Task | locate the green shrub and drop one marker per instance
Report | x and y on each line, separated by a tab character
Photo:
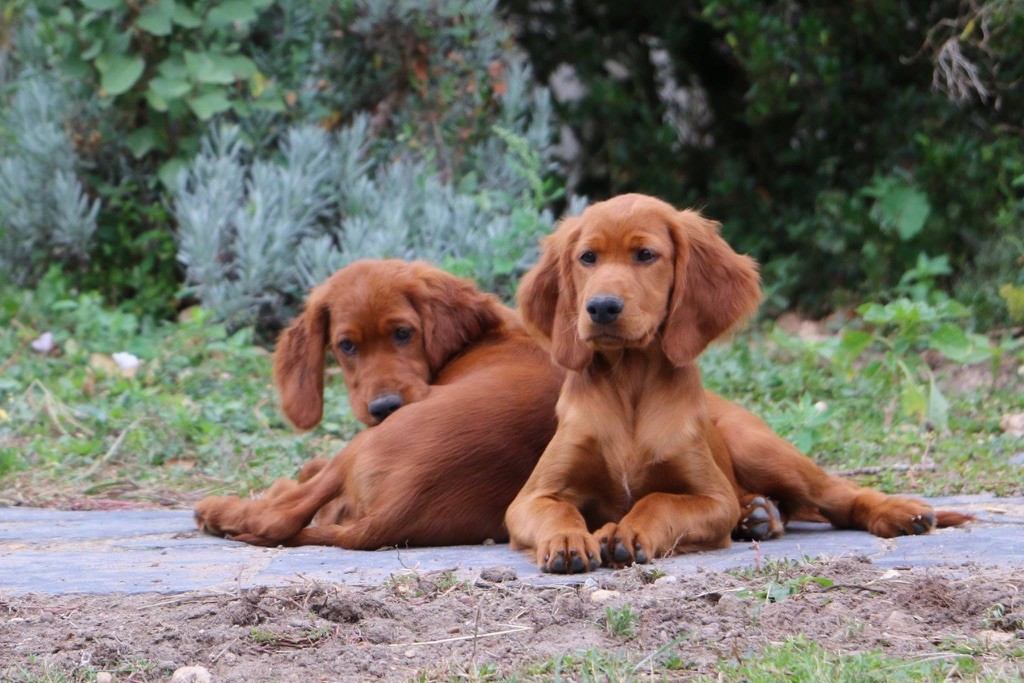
444	106
45	215
836	142
256	234
160	68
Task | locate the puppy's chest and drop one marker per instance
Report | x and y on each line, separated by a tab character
635	449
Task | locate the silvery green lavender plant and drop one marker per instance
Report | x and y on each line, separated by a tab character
256	233
45	214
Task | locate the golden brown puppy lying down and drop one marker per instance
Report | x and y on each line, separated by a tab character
644	463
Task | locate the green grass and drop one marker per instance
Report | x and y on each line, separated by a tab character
620	622
800	660
39	670
852	421
201	415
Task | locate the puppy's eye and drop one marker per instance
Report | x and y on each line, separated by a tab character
402	334
588	258
645	255
347	347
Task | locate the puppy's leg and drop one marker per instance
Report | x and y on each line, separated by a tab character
279	516
759	518
662	523
766	463
544	518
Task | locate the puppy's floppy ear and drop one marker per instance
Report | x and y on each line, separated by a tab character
714	290
454	312
547	298
299	363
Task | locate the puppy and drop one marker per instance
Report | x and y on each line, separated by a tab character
644	463
460	399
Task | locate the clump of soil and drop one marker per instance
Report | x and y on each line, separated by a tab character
435	626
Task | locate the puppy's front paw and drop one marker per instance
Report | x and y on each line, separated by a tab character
621	546
568	553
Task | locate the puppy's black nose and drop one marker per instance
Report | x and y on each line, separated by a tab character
382	406
604	309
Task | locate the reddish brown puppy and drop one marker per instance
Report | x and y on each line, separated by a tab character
643	463
473	401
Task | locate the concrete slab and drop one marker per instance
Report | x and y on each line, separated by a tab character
137	551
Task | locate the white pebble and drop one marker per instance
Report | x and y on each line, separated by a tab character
192	674
602	595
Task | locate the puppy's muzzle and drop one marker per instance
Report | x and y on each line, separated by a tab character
382	406
604	309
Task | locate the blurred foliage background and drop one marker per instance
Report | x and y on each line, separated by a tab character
233	152
175	175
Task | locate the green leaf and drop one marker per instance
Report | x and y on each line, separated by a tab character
938	408
156	18
234	12
210	67
778	592
183	16
155	100
168	172
210	104
875	313
119	73
102	5
170	88
853	344
959	346
241	66
93	50
913	402
902	208
142	140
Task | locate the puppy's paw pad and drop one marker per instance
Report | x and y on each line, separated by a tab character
759	520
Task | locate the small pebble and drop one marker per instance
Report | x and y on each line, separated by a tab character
602	595
104	677
667	579
192	674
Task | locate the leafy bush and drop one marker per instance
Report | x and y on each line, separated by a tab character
430	97
161	68
256	234
813	130
45	215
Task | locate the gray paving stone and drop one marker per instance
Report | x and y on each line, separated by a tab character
136	551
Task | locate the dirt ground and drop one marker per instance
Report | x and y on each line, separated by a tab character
432	627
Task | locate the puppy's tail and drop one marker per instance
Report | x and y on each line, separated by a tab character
947	518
